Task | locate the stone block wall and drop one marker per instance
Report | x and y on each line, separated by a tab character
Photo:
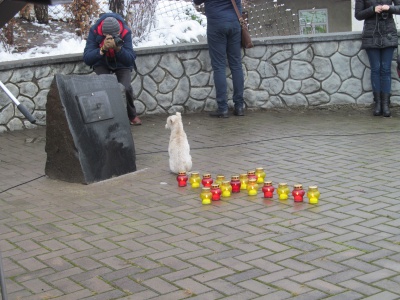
280	73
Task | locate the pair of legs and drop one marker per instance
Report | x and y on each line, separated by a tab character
224	41
380	60
123	77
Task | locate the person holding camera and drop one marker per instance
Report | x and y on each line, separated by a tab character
109	50
379	39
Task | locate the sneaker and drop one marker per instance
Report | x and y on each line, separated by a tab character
136	121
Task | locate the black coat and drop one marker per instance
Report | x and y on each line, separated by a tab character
379	29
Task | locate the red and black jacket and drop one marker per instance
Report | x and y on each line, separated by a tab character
125	58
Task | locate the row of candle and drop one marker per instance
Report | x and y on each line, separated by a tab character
213	191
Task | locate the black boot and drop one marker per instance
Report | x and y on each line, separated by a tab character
385	104
377	102
220	113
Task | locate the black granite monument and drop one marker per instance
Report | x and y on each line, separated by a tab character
88	135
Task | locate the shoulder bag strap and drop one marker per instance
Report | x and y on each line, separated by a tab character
237	12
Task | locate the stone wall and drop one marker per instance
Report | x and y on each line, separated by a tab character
280	73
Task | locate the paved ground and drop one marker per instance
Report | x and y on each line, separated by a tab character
139	236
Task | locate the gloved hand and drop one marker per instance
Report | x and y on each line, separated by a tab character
108	43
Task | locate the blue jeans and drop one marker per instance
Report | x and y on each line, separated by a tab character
224	40
380	61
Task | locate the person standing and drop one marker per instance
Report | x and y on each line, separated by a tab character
379	39
224	41
109	50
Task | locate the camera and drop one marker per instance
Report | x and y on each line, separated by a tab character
118	41
384	15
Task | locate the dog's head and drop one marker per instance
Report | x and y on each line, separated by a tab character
173	120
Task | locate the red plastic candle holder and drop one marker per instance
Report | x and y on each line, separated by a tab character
216	192
268	189
298	193
182	178
207	180
235	183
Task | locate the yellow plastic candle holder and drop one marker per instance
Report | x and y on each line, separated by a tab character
313	194
260	175
283	191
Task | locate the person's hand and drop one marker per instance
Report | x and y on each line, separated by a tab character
108	43
385	7
378	9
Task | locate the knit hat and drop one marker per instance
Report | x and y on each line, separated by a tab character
111	26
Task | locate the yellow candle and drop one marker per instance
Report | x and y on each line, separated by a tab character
195	184
283	191
243	181
206	201
260	175
283	196
252	192
252	187
226	194
226	189
313	194
195	180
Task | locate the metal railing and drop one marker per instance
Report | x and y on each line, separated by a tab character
266	19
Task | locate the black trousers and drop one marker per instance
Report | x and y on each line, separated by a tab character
123	77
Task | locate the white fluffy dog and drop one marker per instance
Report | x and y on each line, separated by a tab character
178	149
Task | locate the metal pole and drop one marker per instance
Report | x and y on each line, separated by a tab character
2	281
20	106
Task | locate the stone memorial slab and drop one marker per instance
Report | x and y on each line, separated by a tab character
88	136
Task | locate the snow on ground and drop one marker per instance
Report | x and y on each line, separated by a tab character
173	24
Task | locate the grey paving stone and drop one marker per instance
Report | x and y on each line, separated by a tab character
225	287
139	236
214	274
159	285
66	285
192	286
383	295
360	287
346	296
376	276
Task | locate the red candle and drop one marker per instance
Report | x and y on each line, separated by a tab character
216	192
268	189
207	180
298	193
235	183
182	178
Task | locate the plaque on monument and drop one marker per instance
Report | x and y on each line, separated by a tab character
88	135
95	107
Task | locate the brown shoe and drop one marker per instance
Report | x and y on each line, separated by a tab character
136	121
